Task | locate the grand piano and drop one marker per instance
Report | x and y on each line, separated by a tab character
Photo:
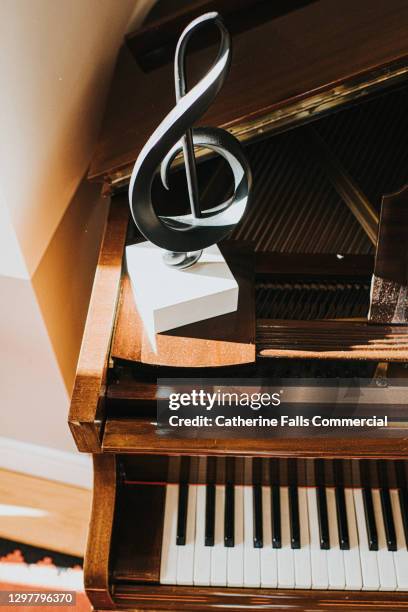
317	94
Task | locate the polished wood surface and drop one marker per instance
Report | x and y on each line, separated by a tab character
97	557
225	340
133	393
252	600
282	71
312	265
140	436
389	295
138	533
305	339
331	340
276	339
311	223
86	412
154	43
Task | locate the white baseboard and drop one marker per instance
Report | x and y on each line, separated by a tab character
45	462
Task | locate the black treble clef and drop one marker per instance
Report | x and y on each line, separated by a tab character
185	236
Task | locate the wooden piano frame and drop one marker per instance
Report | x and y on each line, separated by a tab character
110	413
323	340
146	595
97	430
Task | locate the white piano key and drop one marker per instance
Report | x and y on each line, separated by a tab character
202	553
301	556
168	564
368	558
252	556
185	554
385	558
269	565
352	564
235	555
401	554
286	565
219	551
318	557
335	563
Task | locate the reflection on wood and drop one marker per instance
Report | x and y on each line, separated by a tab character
350	48
87	404
331	340
389	288
225	340
140	436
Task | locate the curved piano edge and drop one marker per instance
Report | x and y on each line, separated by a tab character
97	557
86	414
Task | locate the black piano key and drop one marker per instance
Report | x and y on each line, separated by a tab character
209	515
323	518
294	517
342	524
276	517
403	500
370	519
182	514
257	503
229	514
388	519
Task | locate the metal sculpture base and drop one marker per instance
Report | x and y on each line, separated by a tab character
181	261
167	297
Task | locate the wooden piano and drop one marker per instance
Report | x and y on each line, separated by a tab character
318	94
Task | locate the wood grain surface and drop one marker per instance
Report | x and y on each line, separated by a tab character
220	341
86	412
295	66
331	340
97	558
140	436
138	533
199	599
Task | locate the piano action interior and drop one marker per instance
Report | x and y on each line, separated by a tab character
318	95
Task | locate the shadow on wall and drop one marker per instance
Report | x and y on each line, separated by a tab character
63	280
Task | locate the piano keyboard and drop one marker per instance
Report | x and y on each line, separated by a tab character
285	537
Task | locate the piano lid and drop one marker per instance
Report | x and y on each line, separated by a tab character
285	71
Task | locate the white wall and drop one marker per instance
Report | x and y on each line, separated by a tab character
11	258
56	61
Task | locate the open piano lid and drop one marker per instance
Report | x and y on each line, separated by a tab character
284	71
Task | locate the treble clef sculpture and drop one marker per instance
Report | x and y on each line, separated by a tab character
185	236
